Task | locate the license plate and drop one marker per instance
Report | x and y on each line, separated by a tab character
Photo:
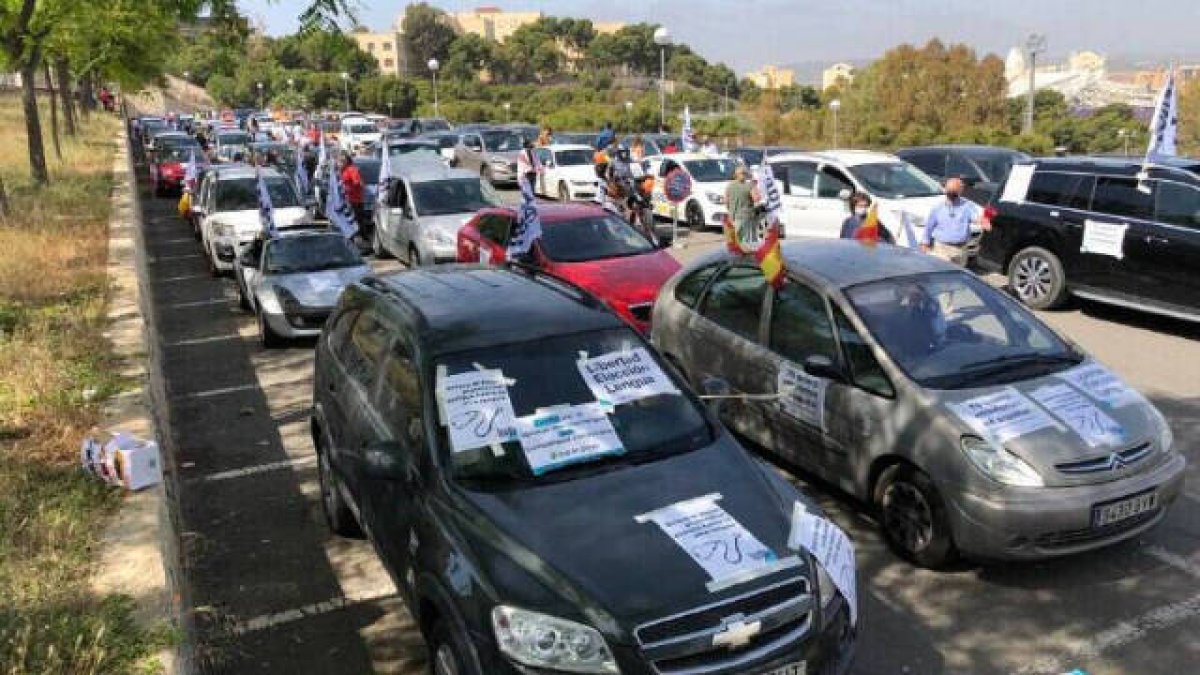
1124	509
800	668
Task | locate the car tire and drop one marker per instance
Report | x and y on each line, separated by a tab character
377	247
913	517
338	515
695	217
1037	278
447	654
564	193
210	260
268	337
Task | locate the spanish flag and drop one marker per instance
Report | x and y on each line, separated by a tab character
732	242
868	232
770	257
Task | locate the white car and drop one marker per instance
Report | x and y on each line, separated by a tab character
710	176
568	174
814	187
229	215
358	131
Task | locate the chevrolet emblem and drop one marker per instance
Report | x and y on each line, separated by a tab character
736	633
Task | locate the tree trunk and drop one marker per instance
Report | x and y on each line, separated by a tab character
53	114
33	123
3	199
63	74
85	91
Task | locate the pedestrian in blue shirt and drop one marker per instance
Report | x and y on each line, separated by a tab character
606	136
948	227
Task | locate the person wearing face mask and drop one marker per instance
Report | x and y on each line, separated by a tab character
860	205
948	228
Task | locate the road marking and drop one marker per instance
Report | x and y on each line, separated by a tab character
186	277
1174	560
261	468
204	340
165	258
218	392
199	303
180	240
315	609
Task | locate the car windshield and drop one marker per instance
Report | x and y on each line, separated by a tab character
233	138
241	194
753	157
592	238
502	141
895	180
562	431
180	153
950	330
455	195
995	165
579	157
294	255
435	125
710	170
369	170
362	129
414	151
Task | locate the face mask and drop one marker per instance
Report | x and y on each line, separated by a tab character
952	196
860	211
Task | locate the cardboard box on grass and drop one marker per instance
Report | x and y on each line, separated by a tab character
121	460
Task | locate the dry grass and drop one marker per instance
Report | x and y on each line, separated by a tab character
55	370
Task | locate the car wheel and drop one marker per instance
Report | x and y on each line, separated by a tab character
377	245
210	260
913	516
269	338
1036	276
337	514
564	194
447	654
695	217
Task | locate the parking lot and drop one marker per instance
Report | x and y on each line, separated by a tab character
272	591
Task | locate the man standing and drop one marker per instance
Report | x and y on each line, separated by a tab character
739	199
352	188
948	228
606	136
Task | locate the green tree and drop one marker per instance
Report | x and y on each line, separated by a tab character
387	94
427	33
469	54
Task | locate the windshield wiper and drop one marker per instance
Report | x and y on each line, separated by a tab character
988	367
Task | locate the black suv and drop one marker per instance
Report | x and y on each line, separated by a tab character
549	496
981	167
1103	229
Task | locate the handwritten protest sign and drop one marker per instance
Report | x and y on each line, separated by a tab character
557	437
1002	415
624	376
831	547
476	409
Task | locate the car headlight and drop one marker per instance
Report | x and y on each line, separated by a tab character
221	229
715	197
826	591
268	301
541	641
287	300
1166	437
999	464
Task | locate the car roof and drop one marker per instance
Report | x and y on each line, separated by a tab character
555	147
558	212
843	157
974	148
1122	166
462	307
842	263
688	156
240	171
421	171
303	231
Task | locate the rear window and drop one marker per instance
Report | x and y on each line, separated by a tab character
1072	190
593	238
573	157
1120	197
241	194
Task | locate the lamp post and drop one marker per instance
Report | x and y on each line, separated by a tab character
629	115
187	76
507	110
291	84
835	105
1123	134
1035	44
662	38
390	105
433	68
346	89
261	105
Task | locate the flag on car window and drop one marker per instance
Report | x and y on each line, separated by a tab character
732	242
322	152
266	210
385	173
770	257
689	137
337	209
1165	122
868	232
191	172
528	228
772	202
300	176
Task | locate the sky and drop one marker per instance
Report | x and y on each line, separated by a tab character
749	33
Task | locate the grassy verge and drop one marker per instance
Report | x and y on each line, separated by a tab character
55	370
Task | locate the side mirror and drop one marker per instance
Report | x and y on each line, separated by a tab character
387	460
819	365
843	194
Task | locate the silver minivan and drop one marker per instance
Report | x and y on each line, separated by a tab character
425	205
916	387
490	153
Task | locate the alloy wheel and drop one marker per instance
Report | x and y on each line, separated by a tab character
325	472
907	516
1032	278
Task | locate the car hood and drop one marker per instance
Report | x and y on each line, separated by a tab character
248	223
1046	448
583	172
318	289
581	540
630	280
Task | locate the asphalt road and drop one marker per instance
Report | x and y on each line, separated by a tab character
273	592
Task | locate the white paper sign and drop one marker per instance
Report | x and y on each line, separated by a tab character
624	376
803	396
831	547
1078	412
1002	415
1103	238
718	543
1101	384
476	409
557	437
1016	189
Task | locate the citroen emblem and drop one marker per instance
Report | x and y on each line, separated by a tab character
736	633
1116	462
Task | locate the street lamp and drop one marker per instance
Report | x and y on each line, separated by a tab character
390	104
507	109
835	105
291	84
261	105
433	68
187	76
629	115
346	88
1035	44
662	38
1123	134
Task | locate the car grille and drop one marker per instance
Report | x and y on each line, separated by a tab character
1065	538
642	312
1106	462
683	644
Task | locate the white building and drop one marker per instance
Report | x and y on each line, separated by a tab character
1083	80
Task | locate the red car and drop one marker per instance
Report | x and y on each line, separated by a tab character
168	167
584	245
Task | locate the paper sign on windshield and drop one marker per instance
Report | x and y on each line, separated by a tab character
831	547
1017	186
1002	415
624	376
1078	412
718	543
1104	238
802	396
1101	384
476	409
565	435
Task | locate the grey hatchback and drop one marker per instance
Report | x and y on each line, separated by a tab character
915	386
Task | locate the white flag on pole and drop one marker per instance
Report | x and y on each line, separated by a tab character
191	172
266	209
689	137
337	209
1165	123
528	227
385	173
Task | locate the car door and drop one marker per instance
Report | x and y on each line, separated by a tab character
350	411
1117	200
829	208
798	180
1175	243
472	158
494	230
1057	205
401	219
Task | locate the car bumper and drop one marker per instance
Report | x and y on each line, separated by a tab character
297	325
1030	524
500	174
